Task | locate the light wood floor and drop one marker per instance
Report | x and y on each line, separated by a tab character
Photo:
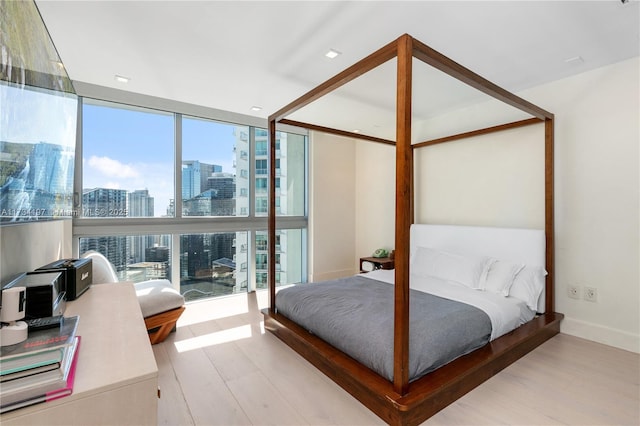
221	368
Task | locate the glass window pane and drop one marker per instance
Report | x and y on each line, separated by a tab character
37	150
213	264
261	147
290	173
217	163
290	185
135	257
212	155
127	164
289	261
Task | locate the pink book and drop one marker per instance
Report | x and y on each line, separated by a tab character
68	389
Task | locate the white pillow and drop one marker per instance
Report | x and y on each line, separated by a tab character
464	269
501	276
528	285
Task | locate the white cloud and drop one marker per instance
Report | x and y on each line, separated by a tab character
158	178
111	185
112	168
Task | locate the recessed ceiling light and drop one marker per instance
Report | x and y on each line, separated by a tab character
121	79
332	53
256	108
356	130
575	60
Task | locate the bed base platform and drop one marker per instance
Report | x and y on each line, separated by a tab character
427	395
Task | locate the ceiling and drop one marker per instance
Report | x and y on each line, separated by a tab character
236	55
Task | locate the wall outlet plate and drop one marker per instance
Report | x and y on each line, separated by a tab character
573	291
591	294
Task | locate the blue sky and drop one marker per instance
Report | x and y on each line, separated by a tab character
130	149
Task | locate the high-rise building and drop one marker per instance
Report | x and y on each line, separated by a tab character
289	191
140	204
171	208
194	257
224	185
48	185
191	179
48	168
241	164
208	203
195	177
157	254
106	202
283	256
207	170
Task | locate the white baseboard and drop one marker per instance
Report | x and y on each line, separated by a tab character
601	334
331	275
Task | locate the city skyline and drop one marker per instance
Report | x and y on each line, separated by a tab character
116	153
211	264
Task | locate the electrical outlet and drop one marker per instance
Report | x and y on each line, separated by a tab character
591	294
573	291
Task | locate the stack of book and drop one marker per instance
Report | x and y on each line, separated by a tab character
41	368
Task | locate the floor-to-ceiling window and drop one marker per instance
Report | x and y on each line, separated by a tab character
127	161
170	195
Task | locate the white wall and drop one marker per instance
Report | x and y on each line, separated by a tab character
489	180
374	197
597	200
28	246
597	194
331	206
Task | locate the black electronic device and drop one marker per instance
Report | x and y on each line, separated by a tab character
77	275
44	292
45	323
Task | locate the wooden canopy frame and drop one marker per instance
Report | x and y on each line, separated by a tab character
400	402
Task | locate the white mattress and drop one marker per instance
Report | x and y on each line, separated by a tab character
505	313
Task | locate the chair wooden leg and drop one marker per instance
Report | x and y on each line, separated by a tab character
160	325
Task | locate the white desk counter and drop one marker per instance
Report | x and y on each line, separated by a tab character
116	377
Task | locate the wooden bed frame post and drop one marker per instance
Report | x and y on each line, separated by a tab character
271	225
404	179
549	213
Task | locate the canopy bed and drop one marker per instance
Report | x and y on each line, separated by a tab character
400	387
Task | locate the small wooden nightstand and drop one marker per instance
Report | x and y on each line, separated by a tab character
378	262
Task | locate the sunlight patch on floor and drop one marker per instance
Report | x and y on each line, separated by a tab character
211	309
217	338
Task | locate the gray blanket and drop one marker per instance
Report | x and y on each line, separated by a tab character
355	315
